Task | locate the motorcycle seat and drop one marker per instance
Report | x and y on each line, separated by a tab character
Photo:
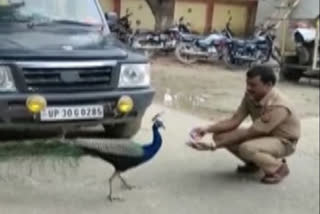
145	31
211	39
242	42
191	37
239	41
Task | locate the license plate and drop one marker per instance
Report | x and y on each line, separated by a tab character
85	112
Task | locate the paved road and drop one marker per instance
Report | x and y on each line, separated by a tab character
178	180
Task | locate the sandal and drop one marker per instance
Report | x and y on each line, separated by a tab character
278	176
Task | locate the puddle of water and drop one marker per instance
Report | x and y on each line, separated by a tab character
200	104
180	99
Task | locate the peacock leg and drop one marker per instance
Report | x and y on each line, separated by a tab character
110	197
125	183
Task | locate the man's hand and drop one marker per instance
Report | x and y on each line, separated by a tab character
198	133
200	146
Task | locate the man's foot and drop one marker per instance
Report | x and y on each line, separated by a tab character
248	168
278	176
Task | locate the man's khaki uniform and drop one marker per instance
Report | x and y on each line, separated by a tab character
274	117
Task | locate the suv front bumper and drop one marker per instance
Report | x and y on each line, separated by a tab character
14	114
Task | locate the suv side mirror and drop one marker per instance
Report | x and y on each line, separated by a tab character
111	16
106	16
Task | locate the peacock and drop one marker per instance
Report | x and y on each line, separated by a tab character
122	154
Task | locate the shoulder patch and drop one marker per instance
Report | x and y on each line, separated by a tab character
266	116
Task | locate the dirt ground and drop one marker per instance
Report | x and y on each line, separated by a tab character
211	91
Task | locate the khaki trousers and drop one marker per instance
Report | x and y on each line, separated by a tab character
265	152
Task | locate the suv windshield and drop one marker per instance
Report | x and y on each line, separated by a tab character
75	11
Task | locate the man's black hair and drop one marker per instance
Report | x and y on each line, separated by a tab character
265	73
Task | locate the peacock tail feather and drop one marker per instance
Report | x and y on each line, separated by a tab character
39	148
28	158
68	149
121	147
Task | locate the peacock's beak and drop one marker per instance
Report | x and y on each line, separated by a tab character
162	125
36	103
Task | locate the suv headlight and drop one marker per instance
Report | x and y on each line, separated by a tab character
134	75
6	79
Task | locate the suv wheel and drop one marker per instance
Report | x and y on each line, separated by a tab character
122	130
304	55
291	74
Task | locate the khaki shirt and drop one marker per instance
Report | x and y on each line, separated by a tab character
273	116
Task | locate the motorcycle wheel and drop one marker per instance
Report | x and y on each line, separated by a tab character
234	65
149	53
257	63
184	58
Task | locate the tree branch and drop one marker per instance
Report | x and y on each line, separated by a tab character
163	12
153	4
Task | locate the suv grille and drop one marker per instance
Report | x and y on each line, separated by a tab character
67	79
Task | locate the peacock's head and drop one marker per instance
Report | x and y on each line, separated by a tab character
157	122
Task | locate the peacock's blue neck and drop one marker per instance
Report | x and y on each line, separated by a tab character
152	149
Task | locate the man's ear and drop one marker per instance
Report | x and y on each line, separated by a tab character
269	84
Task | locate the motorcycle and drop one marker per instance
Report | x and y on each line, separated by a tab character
193	48
121	27
245	53
166	41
